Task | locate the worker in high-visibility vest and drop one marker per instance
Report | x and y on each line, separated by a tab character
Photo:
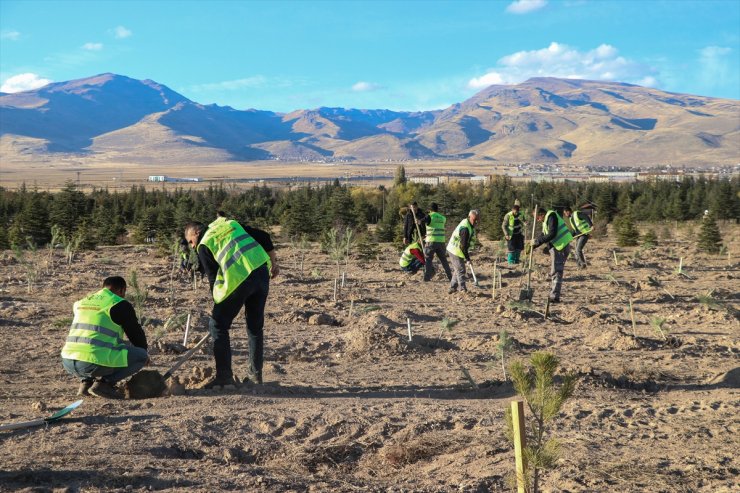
557	236
95	351
582	226
412	258
458	250
435	243
239	262
513	227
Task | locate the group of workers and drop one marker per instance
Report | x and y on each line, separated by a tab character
239	263
557	234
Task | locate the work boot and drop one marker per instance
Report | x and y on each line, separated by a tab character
105	389
254	376
451	290
554	299
218	381
84	388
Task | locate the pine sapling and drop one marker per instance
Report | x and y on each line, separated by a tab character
138	296
544	401
658	325
503	347
446	325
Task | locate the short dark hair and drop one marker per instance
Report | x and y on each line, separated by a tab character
116	282
220	213
567	209
434	207
194	226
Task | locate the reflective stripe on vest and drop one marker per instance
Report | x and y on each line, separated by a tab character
581	225
453	246
407	257
436	228
93	336
237	255
515	223
563	235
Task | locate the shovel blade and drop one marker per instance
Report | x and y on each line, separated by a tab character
526	294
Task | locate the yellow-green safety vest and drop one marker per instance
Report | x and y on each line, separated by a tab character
563	235
453	246
436	228
93	336
515	223
580	225
407	257
235	251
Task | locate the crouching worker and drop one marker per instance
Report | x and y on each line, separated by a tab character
412	258
95	352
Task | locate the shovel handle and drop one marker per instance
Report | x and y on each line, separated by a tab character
186	357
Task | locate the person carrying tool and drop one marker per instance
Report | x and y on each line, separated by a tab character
239	263
413	223
513	227
458	250
582	227
435	243
558	237
94	351
412	258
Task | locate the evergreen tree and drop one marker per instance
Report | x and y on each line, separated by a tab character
68	208
624	226
400	178
4	241
32	222
710	238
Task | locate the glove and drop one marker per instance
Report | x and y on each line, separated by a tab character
546	250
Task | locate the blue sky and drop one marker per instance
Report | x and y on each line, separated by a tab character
414	55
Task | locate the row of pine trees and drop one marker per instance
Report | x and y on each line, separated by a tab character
104	217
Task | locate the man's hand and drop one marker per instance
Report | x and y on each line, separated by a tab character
507	237
533	242
405	241
546	251
274	271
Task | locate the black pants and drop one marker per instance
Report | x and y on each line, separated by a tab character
252	295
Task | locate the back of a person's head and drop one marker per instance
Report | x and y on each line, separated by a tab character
434	207
116	283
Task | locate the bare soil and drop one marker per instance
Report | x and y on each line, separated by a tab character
350	404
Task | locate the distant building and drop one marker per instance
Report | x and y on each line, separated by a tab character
160	178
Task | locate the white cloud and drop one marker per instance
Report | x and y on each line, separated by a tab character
715	65
121	32
23	82
10	35
363	86
560	60
92	46
525	6
230	85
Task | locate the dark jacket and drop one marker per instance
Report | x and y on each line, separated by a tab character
123	314
465	243
409	230
209	266
552	228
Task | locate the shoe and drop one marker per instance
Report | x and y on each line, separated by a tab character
451	290
554	300
255	377
84	388
219	382
105	389
464	290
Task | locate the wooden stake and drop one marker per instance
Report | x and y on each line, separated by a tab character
517	420
408	326
343	276
547	308
616	262
680	266
187	329
336	283
632	317
495	274
351	307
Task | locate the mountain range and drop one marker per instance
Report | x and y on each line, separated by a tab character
111	117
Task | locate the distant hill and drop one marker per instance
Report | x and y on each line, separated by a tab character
541	120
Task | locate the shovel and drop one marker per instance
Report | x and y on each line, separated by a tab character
150	383
475	279
527	293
